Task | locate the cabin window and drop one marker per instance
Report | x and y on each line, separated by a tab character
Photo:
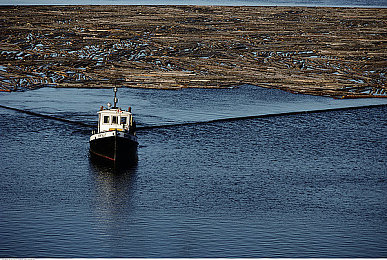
114	120
123	120
106	119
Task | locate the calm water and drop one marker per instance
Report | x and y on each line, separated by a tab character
308	185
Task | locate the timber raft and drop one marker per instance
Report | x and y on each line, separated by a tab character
337	52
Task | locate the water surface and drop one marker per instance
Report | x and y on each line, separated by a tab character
307	185
162	107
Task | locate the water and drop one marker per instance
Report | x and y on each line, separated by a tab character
307	185
168	107
322	3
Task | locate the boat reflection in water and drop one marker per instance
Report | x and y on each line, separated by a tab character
114	188
115	140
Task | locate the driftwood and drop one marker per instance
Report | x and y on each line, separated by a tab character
339	52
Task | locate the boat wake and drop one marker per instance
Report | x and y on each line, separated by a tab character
149	127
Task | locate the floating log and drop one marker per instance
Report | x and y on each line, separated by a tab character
318	51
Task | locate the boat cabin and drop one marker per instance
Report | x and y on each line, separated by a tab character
115	119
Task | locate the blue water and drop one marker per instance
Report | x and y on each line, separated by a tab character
307	185
163	107
321	3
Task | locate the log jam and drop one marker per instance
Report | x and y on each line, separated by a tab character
337	52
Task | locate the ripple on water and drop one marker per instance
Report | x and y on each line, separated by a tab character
308	185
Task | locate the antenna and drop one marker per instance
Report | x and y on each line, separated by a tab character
115	97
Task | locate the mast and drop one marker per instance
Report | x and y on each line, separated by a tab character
115	98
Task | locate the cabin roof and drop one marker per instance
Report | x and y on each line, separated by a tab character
113	111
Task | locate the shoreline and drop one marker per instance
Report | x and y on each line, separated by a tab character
199	5
328	51
204	4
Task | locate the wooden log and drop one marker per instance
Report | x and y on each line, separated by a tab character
310	50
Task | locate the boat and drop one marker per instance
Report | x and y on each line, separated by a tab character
115	139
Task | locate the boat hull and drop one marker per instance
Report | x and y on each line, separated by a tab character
114	146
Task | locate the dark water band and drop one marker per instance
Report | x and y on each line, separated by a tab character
140	128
